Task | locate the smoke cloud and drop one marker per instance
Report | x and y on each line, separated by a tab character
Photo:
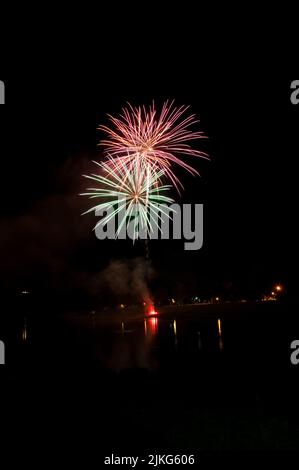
129	278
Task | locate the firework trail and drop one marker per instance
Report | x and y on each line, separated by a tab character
157	139
133	192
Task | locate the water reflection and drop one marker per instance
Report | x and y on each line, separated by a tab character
24	331
174	328
152	342
150	327
175	334
153	323
146	342
219	324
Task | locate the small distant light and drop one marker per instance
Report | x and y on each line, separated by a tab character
278	288
272	293
217	298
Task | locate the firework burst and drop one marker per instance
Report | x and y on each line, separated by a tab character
133	192
159	140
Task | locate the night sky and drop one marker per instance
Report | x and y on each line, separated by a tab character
49	137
